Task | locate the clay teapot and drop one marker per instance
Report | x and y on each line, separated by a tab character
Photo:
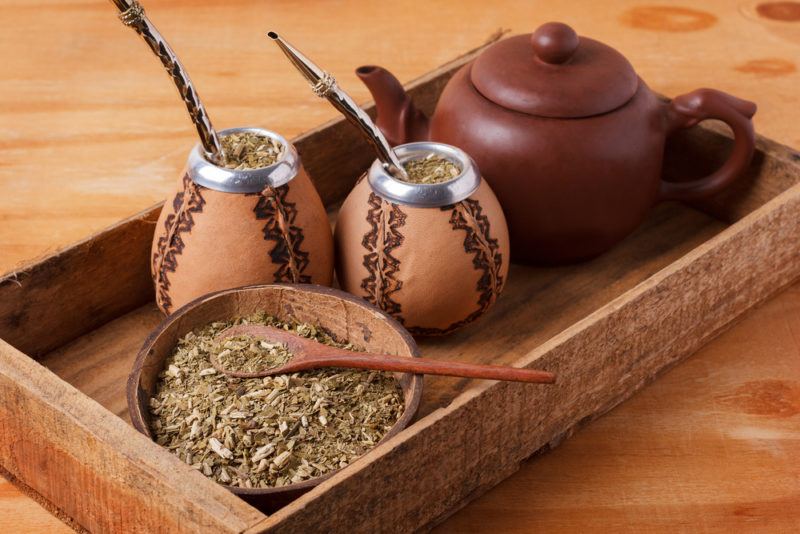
568	136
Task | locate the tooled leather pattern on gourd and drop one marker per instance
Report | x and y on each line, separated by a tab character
170	245
281	215
385	220
468	215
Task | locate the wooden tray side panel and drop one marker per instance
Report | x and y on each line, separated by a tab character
455	454
97	469
76	290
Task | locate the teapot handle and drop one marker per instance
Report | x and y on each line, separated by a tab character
689	109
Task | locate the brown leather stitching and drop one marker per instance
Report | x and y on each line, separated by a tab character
170	245
486	250
468	215
385	220
281	215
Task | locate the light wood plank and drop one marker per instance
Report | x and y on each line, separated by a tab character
74	160
710	446
94	467
19	512
94	127
50	302
99	362
483	436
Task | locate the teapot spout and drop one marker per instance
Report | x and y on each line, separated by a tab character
399	120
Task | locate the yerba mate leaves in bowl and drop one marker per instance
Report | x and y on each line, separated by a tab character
273	431
250	150
246	353
431	169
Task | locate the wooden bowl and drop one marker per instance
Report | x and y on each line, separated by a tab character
346	318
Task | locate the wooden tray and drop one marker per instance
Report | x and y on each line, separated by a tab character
73	322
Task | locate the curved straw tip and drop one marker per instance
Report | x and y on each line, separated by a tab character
272	35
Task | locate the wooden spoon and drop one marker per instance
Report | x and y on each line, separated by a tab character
308	354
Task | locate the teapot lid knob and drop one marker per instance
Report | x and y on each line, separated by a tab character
554	73
554	42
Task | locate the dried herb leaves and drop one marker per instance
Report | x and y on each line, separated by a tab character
431	169
250	150
273	431
249	354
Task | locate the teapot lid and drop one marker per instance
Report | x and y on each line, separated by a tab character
554	73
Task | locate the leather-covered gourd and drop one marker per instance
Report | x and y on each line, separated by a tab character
434	268
567	135
208	240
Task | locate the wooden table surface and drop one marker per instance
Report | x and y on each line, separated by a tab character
91	131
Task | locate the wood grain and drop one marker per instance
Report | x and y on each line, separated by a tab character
86	292
116	477
23	510
601	360
709	447
94	126
749	259
77	157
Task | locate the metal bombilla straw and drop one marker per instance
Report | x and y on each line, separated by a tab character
131	13
324	85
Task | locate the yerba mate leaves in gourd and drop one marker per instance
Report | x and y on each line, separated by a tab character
431	169
250	150
273	431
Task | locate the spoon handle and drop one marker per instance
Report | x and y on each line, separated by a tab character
400	364
309	354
